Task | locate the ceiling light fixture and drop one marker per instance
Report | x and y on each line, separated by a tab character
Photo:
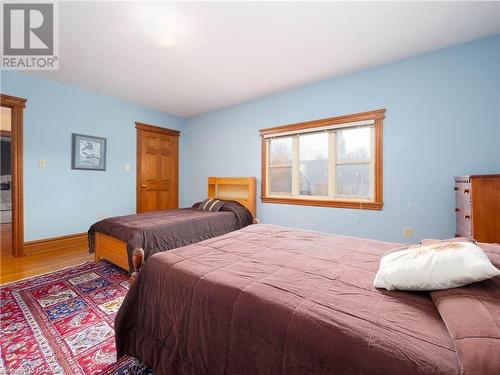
157	35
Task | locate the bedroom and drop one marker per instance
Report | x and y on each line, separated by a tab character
312	119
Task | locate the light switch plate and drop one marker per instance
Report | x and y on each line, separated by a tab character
42	163
127	167
407	232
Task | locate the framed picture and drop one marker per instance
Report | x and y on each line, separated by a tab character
88	152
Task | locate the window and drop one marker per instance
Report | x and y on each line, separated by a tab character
335	162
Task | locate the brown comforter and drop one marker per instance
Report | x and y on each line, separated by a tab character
164	230
272	300
472	315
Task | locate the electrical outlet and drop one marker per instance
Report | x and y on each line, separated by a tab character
127	167
407	232
42	164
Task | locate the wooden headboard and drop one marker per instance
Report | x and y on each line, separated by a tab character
239	189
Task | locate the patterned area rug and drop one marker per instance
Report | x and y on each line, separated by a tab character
62	323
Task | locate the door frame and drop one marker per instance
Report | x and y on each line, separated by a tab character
140	126
16	106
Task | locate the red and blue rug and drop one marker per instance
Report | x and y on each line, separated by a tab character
62	323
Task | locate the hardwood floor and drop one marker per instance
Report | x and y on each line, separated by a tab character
6	239
17	268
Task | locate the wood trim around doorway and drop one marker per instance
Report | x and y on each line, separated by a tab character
16	106
157	129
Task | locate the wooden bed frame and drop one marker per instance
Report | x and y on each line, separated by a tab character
240	189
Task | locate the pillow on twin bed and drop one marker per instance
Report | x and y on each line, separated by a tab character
213	205
434	266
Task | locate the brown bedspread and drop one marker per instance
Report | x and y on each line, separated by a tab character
272	300
472	315
164	230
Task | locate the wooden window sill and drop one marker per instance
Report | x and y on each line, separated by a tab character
377	206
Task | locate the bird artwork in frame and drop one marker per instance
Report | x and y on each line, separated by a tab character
88	152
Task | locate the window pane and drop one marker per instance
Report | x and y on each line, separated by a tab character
353	144
314	164
353	180
280	180
280	151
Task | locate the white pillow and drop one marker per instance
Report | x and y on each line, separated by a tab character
433	267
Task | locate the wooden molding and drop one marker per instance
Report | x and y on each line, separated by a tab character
78	240
377	204
472	176
378	114
157	129
12	101
138	168
325	203
263	168
16	106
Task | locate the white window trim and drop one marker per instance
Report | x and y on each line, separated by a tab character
332	164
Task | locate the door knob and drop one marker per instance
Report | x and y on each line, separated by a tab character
144	186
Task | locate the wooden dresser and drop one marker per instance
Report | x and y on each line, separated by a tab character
478	207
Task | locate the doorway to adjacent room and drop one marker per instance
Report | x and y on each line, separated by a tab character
11	172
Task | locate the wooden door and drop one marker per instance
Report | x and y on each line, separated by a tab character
157	168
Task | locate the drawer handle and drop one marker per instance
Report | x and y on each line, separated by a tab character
457	209
467	216
466	191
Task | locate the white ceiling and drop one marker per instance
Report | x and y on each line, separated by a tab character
232	52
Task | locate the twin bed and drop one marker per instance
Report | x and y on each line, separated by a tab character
115	238
273	300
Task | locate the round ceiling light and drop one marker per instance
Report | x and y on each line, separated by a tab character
157	35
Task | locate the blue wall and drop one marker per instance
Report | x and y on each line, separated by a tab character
442	120
58	200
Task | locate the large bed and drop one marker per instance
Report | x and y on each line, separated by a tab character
273	300
115	238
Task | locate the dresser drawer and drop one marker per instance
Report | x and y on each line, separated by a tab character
464	225
463	214
464	229
462	206
463	190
